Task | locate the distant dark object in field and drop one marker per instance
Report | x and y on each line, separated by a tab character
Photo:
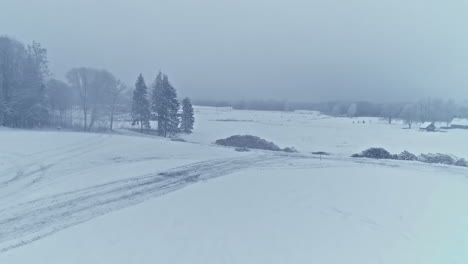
323	153
406	155
233	120
374	153
461	163
248	141
437	158
252	142
178	139
428	126
290	150
242	149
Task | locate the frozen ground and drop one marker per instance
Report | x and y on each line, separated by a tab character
308	131
91	198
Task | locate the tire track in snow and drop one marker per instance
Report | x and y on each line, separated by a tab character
30	172
28	222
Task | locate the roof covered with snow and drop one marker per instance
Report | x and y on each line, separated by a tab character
426	125
459	122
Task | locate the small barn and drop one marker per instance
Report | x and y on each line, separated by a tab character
459	123
428	126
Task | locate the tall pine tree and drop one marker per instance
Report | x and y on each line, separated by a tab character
164	106
172	105
158	109
187	119
140	105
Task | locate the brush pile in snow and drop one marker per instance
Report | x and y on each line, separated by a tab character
374	153
290	150
242	149
248	141
253	142
178	139
461	163
320	153
406	155
436	158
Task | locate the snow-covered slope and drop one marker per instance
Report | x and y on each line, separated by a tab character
92	198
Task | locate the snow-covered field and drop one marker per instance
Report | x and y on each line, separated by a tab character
71	197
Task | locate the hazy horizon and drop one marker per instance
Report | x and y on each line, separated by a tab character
295	50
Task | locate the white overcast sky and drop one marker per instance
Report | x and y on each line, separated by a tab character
299	50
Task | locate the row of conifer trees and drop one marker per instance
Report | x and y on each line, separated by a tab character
161	105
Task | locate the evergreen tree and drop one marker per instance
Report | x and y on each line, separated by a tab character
187	119
164	106
170	103
140	105
158	110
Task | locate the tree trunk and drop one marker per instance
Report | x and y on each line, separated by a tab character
111	118
85	113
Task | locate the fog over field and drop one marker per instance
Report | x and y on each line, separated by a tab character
298	50
233	132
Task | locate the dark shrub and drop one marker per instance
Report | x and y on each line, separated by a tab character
178	139
375	153
437	158
461	163
290	150
247	141
406	155
242	149
321	153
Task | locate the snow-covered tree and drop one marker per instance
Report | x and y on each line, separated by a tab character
409	114
140	105
60	99
158	110
352	110
169	94
94	88
22	90
336	110
390	111
115	95
187	118
164	106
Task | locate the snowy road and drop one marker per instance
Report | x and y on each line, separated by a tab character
23	223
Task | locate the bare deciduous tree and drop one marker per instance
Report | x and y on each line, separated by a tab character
95	89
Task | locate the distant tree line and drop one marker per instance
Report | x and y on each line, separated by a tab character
261	105
426	110
89	99
434	110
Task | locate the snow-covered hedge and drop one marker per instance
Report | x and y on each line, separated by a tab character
437	158
406	155
375	153
248	141
253	142
242	149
